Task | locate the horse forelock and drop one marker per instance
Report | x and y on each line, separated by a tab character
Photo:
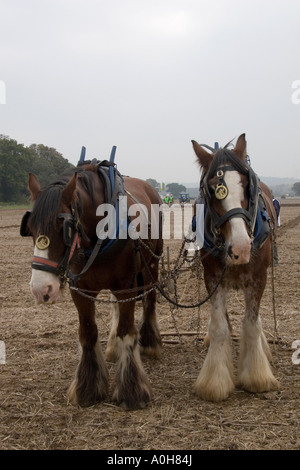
47	206
223	157
45	210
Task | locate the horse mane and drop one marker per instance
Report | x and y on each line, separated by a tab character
222	157
46	207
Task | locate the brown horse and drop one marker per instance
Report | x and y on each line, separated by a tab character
237	228
64	224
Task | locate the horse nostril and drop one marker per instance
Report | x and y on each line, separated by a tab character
230	253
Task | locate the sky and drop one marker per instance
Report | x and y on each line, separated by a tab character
148	76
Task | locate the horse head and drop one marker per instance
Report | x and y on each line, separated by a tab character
52	225
226	185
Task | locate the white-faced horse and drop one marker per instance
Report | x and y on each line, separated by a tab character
63	224
238	216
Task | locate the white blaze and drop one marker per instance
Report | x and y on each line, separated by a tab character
240	241
44	283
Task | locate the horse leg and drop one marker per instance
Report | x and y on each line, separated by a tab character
112	353
91	381
206	338
150	339
131	388
216	379
254	372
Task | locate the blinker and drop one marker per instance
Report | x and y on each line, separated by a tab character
24	230
68	228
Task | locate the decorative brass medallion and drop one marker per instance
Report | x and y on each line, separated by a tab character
221	191
42	242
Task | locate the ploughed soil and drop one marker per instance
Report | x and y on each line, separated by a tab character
42	354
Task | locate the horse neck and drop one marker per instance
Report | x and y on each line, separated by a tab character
89	204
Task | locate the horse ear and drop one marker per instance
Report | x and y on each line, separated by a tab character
33	186
69	191
204	158
241	147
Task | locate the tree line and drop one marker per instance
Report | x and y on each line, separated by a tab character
296	189
17	160
173	188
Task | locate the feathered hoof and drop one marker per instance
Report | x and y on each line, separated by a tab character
266	384
128	401
213	392
85	399
151	352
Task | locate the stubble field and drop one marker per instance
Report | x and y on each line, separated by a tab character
42	354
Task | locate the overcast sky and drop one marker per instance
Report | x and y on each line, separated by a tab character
150	75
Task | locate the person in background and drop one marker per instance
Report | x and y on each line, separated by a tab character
276	205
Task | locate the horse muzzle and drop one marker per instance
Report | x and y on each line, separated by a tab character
239	254
47	294
45	287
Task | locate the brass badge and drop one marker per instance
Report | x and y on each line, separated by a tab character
221	191
42	242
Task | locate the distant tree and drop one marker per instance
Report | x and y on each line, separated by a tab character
153	183
15	163
48	163
296	188
175	189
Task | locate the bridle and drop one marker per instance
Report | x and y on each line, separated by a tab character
216	221
71	241
72	233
